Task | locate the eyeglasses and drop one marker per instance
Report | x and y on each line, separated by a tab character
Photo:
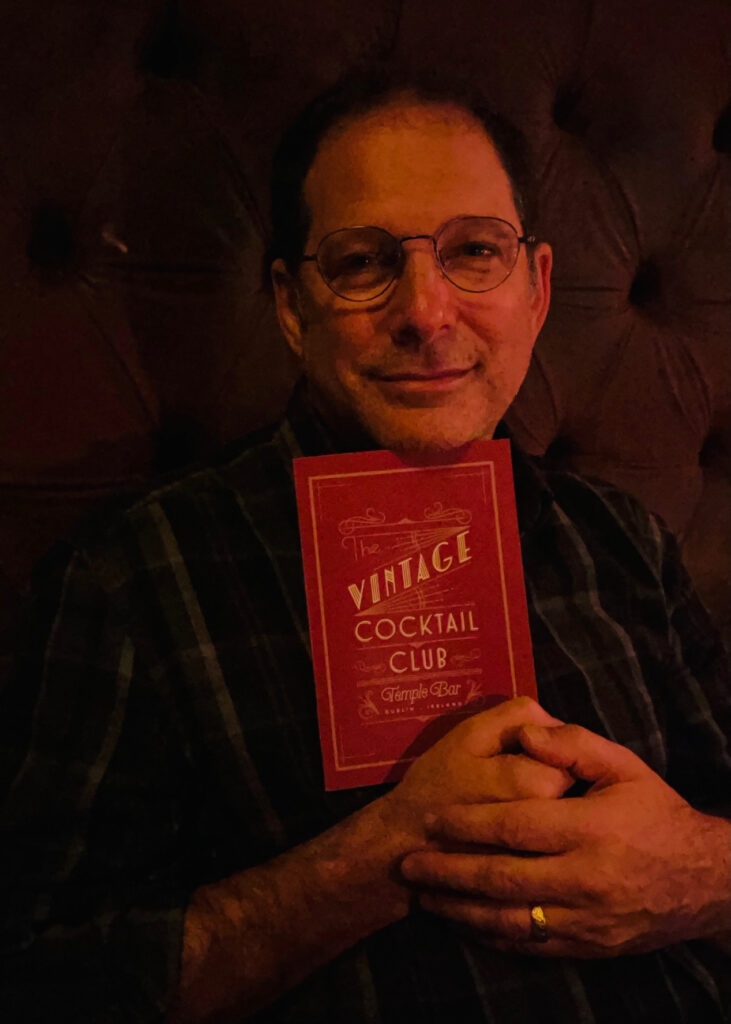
475	253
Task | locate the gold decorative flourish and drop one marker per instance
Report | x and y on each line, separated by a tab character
438	511
368	708
475	691
363	666
371	518
466	659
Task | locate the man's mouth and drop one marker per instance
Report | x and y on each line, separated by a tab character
423	381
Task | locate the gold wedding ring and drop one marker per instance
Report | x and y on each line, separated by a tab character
538	924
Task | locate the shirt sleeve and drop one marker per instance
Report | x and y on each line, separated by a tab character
93	885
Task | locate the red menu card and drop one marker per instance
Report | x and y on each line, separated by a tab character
416	602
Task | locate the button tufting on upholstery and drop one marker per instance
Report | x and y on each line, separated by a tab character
170	51
646	286
51	246
714	451
722	132
566	112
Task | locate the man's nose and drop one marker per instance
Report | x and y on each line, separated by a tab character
421	306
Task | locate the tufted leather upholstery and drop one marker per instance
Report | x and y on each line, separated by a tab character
137	136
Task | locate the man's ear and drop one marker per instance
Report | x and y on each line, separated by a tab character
541	283
289	310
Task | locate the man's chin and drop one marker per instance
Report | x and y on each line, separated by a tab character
430	437
363	423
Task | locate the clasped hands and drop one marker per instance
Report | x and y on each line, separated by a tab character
627	867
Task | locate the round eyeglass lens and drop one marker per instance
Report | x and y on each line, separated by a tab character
477	253
359	263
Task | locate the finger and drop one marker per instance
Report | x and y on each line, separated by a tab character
518	777
501	877
509	922
508	927
583	753
533	826
496	730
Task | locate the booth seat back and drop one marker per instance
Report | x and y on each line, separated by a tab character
134	331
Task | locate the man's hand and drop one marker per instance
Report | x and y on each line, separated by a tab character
627	868
472	765
300	910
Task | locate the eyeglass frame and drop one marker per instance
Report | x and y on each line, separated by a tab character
521	239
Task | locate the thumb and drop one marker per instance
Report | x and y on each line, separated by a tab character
582	753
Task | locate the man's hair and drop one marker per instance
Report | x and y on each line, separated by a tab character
362	92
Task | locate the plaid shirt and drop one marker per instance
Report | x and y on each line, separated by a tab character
162	734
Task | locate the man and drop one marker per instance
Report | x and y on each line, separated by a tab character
172	853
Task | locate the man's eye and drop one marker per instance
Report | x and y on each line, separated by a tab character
357	260
471	255
354	264
478	250
369	262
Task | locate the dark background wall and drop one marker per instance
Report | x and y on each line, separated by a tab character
134	333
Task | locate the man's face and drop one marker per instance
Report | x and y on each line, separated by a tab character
425	366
